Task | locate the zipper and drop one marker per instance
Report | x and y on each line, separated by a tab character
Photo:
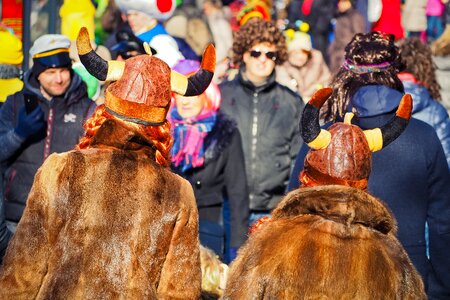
254	137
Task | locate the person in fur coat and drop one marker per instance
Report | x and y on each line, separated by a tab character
109	220
330	239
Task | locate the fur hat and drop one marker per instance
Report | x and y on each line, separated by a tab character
342	154
11	50
50	51
142	86
158	9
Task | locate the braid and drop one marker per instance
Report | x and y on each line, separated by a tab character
159	136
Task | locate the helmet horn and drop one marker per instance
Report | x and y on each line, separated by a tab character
312	134
99	68
379	138
199	81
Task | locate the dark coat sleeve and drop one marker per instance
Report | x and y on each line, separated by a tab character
236	189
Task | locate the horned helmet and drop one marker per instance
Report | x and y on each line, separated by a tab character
141	86
343	154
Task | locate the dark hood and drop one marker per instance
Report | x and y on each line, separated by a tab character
374	100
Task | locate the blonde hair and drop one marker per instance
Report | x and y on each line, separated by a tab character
214	272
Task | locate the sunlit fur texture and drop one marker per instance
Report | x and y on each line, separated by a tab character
258	31
364	49
328	242
106	222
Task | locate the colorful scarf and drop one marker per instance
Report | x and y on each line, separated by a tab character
188	135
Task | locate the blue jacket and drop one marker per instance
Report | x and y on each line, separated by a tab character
412	177
19	158
431	112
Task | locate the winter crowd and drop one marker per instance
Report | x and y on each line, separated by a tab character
260	149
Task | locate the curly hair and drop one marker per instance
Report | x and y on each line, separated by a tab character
364	49
257	31
159	135
418	60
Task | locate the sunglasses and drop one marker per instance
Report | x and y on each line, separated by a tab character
269	54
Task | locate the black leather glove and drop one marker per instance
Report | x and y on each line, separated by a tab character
31	123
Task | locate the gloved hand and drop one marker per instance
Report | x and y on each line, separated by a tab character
31	123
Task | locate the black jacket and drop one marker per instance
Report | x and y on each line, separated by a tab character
20	158
223	174
267	117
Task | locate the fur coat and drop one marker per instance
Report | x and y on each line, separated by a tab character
105	223
327	242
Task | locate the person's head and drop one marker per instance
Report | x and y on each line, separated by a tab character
141	14
252	11
189	107
370	59
418	61
341	154
52	64
299	49
260	46
140	92
344	5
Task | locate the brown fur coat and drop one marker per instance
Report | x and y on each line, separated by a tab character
327	242
105	223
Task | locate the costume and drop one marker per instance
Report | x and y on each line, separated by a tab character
64	117
329	239
108	221
269	151
411	176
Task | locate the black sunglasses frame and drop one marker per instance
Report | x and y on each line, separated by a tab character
269	54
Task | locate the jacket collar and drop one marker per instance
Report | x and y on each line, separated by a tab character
374	100
341	204
248	84
117	134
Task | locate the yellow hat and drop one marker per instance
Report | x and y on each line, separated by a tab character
11	50
76	14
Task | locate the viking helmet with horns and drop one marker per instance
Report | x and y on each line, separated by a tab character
142	86
342	154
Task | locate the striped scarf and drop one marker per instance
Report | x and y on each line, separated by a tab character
188	135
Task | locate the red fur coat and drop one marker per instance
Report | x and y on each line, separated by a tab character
327	242
105	223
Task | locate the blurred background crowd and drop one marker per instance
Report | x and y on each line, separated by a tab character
215	136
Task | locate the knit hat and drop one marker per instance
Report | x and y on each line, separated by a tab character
142	86
50	51
11	49
342	154
158	9
300	41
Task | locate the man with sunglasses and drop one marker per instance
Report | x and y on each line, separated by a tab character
46	116
267	113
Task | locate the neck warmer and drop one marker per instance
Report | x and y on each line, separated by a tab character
188	150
